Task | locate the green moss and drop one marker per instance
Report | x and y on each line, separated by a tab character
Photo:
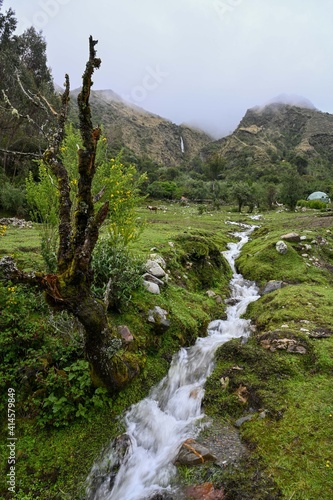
261	262
289	305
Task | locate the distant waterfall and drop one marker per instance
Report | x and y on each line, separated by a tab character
182	147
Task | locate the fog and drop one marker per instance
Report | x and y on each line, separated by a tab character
200	62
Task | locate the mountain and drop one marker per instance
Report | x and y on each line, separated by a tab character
284	129
146	134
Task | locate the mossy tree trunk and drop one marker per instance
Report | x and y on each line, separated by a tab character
70	288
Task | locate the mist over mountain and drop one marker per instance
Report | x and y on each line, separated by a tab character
147	135
291	100
288	128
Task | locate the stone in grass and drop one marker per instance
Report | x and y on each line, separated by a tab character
152	279
281	247
152	267
158	317
152	287
292	237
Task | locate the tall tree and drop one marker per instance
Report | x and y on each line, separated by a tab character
70	287
24	75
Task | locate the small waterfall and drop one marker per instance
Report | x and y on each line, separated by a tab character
182	147
159	424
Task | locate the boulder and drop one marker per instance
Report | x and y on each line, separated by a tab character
152	287
153	267
271	286
158	317
159	259
152	279
281	247
193	453
292	237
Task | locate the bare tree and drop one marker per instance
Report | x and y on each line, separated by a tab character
70	288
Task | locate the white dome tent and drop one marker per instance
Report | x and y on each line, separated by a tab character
319	195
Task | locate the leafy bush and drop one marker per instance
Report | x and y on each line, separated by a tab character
42	357
116	272
12	198
67	394
314	204
164	190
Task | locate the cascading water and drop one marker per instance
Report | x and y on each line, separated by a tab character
182	147
159	424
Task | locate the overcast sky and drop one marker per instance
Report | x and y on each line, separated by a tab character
201	62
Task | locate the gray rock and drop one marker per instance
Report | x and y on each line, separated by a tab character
159	259
152	287
241	420
153	279
281	247
155	269
158	317
292	237
271	286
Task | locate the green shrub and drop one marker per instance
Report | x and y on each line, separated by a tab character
12	198
314	204
164	190
116	273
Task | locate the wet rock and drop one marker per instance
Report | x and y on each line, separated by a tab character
210	293
107	467
193	453
158	317
281	247
204	491
292	237
152	287
152	267
162	496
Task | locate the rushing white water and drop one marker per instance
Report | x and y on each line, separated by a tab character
182	147
159	424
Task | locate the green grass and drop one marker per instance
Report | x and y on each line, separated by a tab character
24	245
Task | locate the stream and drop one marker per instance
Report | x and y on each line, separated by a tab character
158	425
